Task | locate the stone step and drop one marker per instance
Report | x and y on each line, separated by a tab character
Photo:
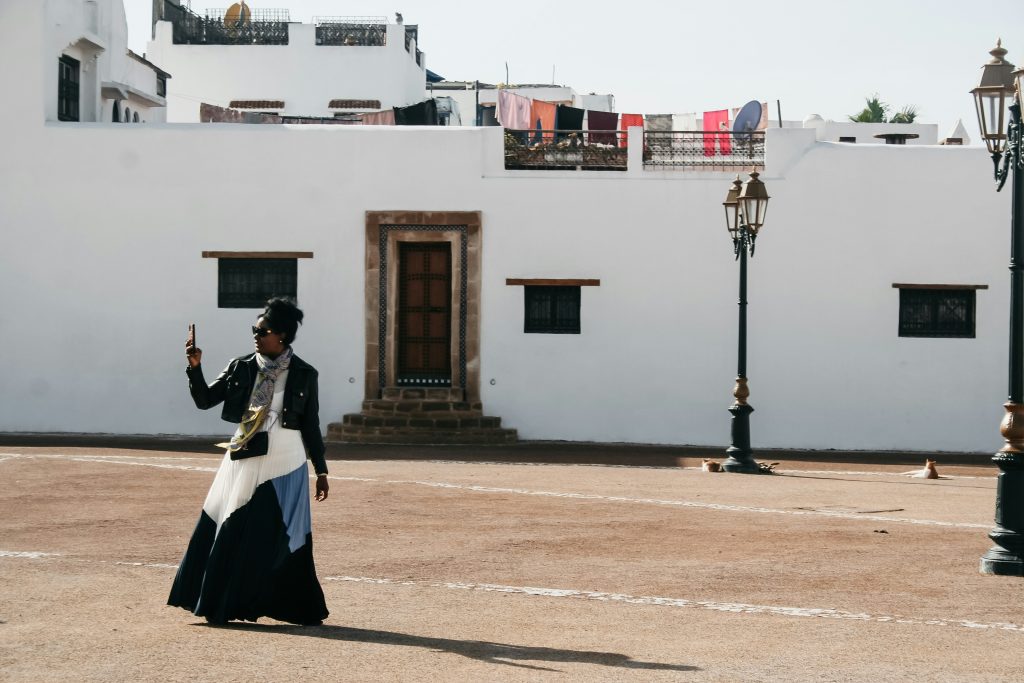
410	435
422	408
423	393
445	421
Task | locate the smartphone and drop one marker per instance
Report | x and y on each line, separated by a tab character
192	335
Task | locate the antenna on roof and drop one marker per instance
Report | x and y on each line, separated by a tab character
747	121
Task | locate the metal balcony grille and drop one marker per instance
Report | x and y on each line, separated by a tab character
263	27
551	309
565	150
249	282
352	31
703	150
937	313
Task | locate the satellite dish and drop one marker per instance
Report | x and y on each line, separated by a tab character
747	120
238	15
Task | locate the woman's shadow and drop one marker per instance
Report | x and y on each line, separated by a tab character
495	653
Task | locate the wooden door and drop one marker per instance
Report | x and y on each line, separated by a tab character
424	314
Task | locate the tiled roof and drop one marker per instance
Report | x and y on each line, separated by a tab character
354	104
256	104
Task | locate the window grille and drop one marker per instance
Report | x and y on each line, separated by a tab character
249	282
67	88
937	312
552	309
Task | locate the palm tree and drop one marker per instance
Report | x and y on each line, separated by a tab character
905	115
876	111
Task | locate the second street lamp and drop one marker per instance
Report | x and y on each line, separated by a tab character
745	207
1006	145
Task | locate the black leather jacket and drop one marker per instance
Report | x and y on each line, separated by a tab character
234	386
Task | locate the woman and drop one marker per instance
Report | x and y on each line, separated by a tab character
251	554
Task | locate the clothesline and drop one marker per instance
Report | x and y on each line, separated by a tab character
520	113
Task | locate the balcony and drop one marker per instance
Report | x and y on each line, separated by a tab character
351	31
702	150
549	150
259	27
565	149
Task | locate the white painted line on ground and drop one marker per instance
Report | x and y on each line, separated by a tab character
152	565
27	554
735	607
693	504
722	507
824	613
664	467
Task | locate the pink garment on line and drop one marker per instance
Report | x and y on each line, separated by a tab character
626	121
513	111
379	118
714	121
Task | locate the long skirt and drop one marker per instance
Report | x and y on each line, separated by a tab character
251	554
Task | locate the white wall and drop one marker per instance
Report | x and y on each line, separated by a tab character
104	273
217	74
831	131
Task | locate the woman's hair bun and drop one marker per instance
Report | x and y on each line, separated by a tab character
283	315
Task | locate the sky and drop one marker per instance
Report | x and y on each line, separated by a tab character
664	56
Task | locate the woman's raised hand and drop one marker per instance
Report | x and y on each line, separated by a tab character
192	352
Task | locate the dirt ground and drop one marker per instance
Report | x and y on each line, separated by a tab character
442	570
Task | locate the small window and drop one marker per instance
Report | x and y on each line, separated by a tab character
67	89
115	115
552	309
249	282
946	312
847	139
135	117
161	86
127	115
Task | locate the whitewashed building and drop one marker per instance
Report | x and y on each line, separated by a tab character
96	76
258	60
106	268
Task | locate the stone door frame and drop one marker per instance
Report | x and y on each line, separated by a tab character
384	230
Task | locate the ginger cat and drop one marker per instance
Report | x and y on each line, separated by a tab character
928	472
709	465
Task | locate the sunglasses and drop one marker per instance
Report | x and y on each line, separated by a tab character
260	331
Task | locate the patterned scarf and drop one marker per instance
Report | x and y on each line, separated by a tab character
262	395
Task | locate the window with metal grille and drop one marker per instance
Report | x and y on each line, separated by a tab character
249	282
552	309
937	312
67	88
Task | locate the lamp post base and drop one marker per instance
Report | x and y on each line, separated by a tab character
740	457
1006	557
742	465
1000	562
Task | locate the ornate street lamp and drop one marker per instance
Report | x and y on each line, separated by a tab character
1005	144
745	207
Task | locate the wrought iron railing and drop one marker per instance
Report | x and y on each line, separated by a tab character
362	31
703	150
261	27
565	149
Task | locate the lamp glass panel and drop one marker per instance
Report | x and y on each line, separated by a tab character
754	209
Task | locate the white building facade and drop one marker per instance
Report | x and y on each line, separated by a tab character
90	74
332	66
97	304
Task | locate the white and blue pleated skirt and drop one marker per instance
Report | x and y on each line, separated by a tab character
251	554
